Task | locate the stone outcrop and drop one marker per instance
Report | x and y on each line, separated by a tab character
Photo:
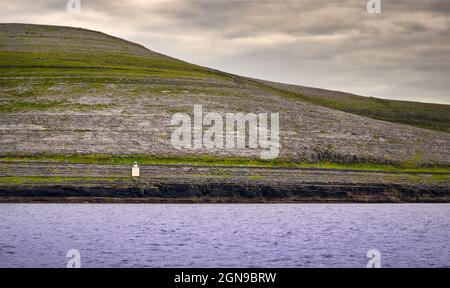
111	183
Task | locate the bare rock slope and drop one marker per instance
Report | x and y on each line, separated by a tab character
67	90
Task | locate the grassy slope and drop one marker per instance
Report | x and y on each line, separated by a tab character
90	63
39	57
214	161
28	50
123	61
423	115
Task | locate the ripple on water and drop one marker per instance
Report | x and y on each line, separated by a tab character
245	235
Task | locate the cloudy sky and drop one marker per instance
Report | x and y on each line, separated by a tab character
402	53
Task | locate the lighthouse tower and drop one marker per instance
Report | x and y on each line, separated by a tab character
135	170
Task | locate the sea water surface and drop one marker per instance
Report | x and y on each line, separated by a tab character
228	235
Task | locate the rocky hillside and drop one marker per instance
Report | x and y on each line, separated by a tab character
74	91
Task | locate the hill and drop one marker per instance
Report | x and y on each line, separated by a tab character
70	91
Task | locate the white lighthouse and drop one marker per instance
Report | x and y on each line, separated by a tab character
135	170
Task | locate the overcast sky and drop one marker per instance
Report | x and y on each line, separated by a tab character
402	53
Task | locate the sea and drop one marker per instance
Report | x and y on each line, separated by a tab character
224	235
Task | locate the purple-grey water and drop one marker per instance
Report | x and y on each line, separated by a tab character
228	235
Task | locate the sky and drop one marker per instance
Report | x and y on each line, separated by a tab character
401	53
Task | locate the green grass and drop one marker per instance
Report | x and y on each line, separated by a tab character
423	115
54	180
20	106
257	177
212	161
439	178
115	64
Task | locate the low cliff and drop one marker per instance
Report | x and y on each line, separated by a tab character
53	182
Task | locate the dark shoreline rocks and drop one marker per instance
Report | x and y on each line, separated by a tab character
79	183
227	193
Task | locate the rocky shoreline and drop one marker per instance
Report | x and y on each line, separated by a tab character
226	193
80	183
